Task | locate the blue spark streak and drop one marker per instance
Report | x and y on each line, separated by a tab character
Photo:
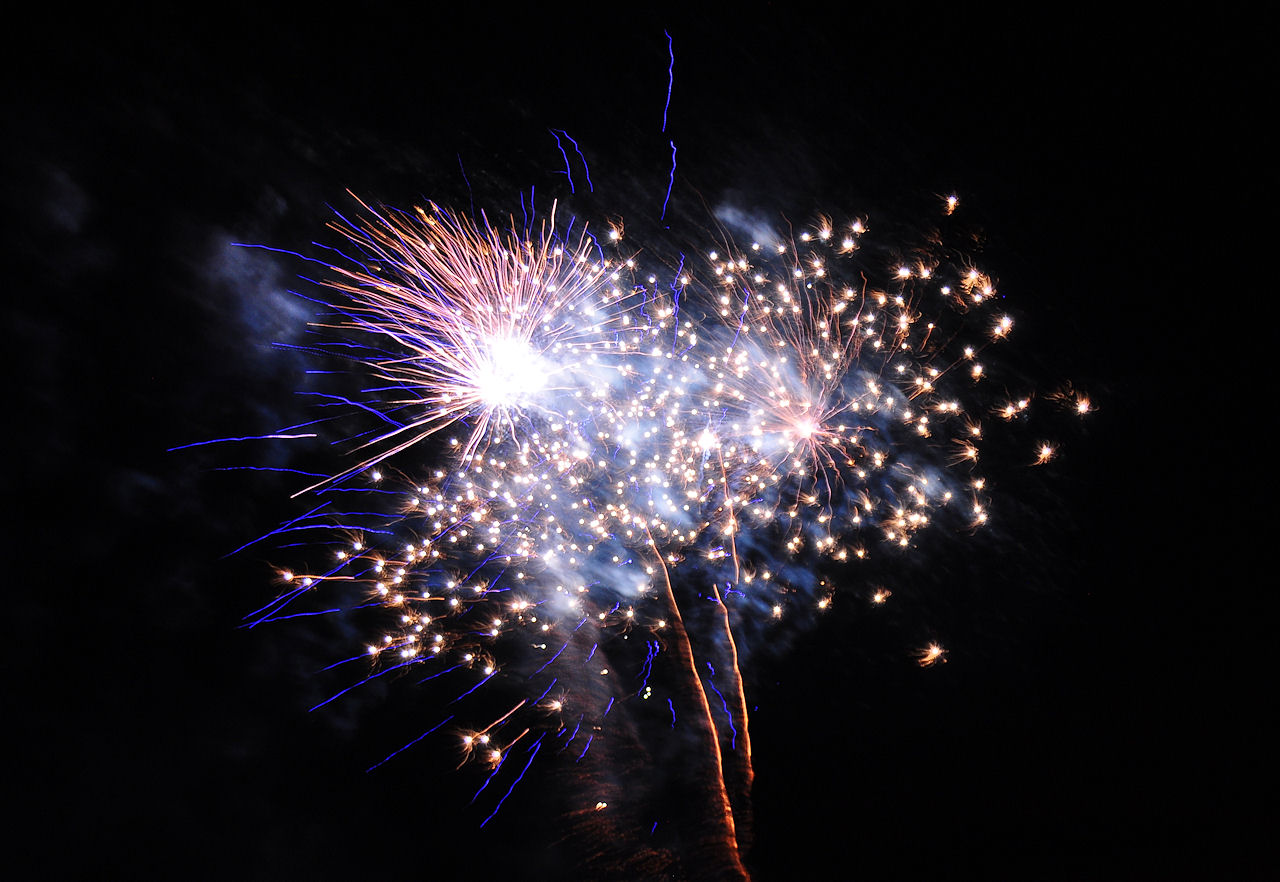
243	438
537	745
279	529
336	696
568	173
670	79
733	741
401	750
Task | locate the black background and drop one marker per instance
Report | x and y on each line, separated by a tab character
1100	715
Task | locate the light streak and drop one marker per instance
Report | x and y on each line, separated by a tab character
568	172
671	67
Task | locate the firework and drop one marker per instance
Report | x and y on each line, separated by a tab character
577	439
475	324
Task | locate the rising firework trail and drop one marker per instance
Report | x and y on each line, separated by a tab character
587	476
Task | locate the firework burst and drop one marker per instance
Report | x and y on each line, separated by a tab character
611	436
477	324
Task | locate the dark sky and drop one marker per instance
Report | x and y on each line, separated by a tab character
1099	714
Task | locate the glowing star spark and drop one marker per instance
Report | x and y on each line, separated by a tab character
931	655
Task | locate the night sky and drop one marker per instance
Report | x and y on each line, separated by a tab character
1100	713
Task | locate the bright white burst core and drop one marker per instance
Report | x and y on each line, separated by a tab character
509	372
805	428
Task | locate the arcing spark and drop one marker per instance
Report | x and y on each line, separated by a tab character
612	437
